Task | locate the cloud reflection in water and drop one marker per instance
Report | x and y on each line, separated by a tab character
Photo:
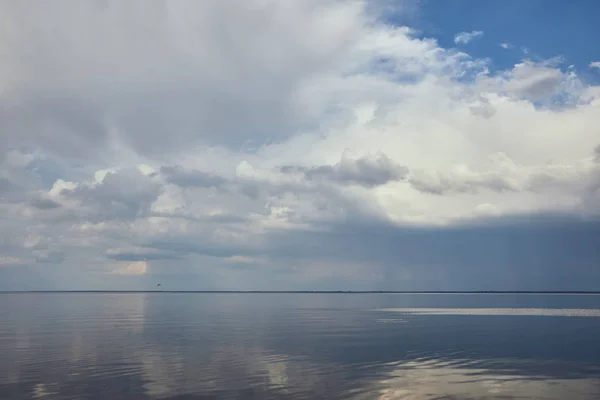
169	346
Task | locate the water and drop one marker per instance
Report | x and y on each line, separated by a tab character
299	346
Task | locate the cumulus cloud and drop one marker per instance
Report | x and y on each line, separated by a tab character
194	178
369	171
466	37
533	81
594	64
256	144
125	194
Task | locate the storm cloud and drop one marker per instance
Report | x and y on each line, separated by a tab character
307	144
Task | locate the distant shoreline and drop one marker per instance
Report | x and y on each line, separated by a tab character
303	291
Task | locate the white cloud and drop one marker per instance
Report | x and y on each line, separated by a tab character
466	37
532	81
505	45
132	268
11	261
153	67
191	134
595	64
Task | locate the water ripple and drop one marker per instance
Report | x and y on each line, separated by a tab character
296	347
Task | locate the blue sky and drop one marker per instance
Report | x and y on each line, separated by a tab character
532	29
300	145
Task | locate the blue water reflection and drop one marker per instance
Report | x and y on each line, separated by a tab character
294	346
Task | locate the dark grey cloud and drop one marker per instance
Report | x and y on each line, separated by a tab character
125	195
591	196
7	186
515	252
367	171
191	178
186	246
10	192
543	252
44	204
163	76
57	124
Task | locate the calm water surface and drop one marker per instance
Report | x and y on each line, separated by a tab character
299	346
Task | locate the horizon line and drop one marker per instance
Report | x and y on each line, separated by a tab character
318	291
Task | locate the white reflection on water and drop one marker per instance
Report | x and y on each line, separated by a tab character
437	380
230	370
468	379
43	390
549	312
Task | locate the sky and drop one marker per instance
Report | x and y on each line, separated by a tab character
299	145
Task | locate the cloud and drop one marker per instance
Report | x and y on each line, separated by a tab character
251	144
188	65
502	175
50	257
594	64
505	46
480	254
466	37
44	204
132	268
125	194
369	171
11	261
440	183
139	254
533	81
193	178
